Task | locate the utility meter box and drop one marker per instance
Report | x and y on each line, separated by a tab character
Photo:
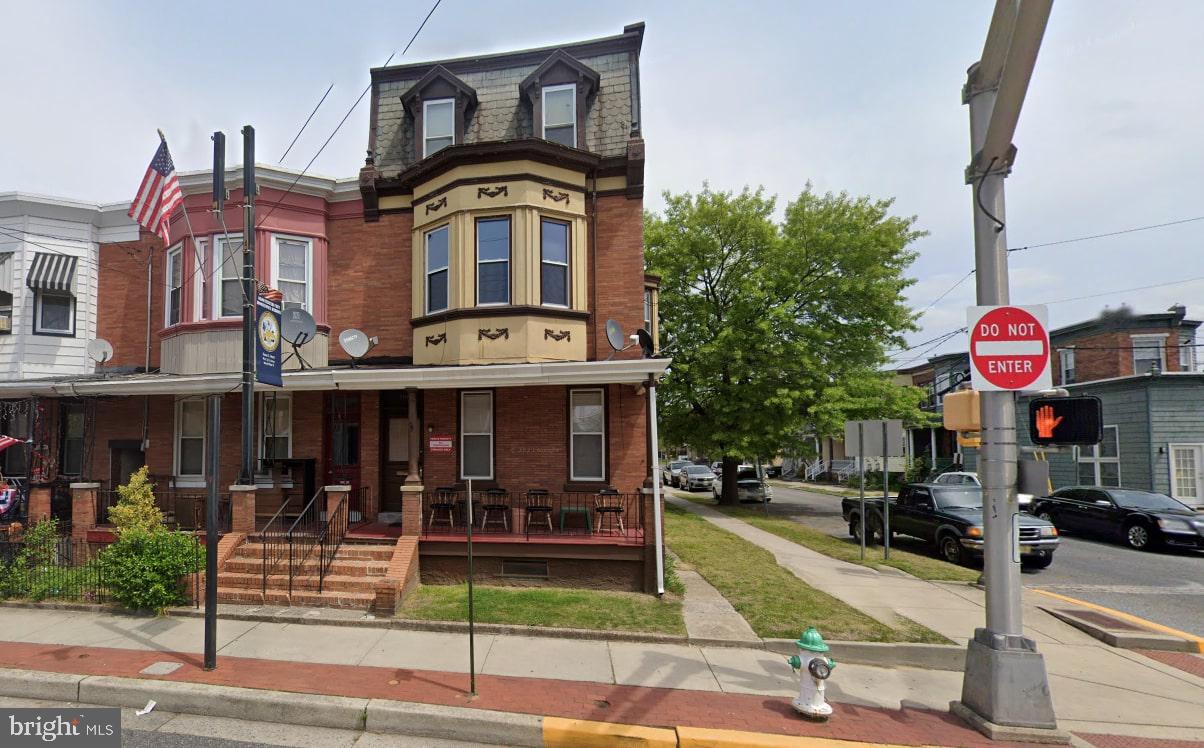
962	411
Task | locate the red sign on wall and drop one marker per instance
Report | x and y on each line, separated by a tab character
1009	348
441	444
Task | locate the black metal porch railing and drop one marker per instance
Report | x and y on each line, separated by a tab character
182	510
274	538
535	513
304	535
333	531
363	507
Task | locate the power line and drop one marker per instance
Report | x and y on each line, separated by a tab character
1128	290
86	259
948	291
307	119
941	341
1108	234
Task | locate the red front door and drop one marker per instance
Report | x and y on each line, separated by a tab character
342	442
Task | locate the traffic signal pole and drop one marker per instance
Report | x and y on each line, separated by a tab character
1005	684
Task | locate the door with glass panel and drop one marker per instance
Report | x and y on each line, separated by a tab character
1187	473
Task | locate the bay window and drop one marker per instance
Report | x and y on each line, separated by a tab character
587	442
493	261
560	114
437	269
554	263
227	289
175	284
292	271
6	292
476	435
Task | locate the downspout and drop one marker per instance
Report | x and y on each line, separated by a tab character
593	246
656	494
146	367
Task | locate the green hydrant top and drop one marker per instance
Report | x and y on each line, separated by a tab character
811	641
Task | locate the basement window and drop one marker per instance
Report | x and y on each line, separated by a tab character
530	568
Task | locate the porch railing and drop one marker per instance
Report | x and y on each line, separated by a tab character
333	531
310	531
274	537
364	506
304	534
182	510
534	514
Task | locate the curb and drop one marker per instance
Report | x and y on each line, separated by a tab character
878	654
1124	638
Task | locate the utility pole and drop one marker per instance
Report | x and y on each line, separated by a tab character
1005	683
246	474
213	463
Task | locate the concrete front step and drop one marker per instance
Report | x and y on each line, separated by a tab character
327	599
343	567
300	582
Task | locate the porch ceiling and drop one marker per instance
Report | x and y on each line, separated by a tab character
419	377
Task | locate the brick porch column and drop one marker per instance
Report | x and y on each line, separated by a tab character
39	503
649	506
335	494
83	509
242	509
411	509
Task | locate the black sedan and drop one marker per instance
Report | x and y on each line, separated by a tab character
1142	519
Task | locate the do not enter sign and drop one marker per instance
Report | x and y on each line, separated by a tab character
1009	348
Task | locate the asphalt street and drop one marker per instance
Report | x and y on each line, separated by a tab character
1164	586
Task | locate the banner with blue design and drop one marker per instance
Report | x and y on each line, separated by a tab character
267	342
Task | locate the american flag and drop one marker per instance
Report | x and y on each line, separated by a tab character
159	195
8	441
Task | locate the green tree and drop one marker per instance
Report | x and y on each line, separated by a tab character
773	326
136	508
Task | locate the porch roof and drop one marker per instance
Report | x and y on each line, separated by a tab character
343	378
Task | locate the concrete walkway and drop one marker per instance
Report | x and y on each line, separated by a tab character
708	614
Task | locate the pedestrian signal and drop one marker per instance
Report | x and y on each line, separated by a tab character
1065	420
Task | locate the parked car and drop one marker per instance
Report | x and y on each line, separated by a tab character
696	477
748	487
1141	519
971	479
949	517
669	474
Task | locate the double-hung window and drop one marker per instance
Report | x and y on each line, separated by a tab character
1099	464
6	292
493	261
276	427
227	290
560	114
436	269
1149	352
190	439
1066	359
648	310
554	263
175	285
587	443
438	125
292	271
476	435
1187	354
54	313
73	439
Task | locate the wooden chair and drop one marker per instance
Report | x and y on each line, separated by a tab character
609	504
495	504
443	502
538	502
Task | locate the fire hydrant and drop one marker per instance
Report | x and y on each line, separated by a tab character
810	701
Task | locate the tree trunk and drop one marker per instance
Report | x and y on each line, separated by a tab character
730	467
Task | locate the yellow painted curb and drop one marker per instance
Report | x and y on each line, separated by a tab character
1198	641
558	731
702	737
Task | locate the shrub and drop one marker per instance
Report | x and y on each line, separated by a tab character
144	570
136	509
27	575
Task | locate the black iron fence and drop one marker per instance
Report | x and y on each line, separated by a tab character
182	510
364	506
534	513
60	569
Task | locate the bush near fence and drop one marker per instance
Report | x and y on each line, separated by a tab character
42	565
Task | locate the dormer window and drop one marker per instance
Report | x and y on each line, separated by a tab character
438	125
560	114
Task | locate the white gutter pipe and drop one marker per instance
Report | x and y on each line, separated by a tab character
656	493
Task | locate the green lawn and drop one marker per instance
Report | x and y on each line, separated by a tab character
773	600
846	549
547	606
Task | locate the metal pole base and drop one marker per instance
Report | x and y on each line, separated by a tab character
1005	683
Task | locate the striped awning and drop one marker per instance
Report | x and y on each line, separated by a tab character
51	272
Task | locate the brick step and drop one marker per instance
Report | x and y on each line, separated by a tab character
344	567
308	582
328	599
345	552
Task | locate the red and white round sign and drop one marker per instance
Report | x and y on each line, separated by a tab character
1009	348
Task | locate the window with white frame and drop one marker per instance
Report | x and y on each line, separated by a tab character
1149	352
227	286
493	261
438	125
1187	353
54	313
175	285
6	292
437	269
587	443
190	438
560	114
275	426
198	279
648	310
1099	464
476	435
554	263
1066	360
292	271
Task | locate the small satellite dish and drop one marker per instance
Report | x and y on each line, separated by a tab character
645	339
614	334
297	326
100	350
354	342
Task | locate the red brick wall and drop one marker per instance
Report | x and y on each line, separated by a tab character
121	303
1110	354
619	271
369	282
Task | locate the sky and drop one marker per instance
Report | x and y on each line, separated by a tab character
863	97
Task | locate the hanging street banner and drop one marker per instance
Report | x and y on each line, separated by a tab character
267	342
1009	348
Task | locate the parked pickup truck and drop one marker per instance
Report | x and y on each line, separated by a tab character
949	517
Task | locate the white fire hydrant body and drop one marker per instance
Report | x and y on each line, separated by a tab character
813	667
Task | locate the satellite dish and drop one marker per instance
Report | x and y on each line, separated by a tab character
354	342
297	326
614	334
100	350
645	339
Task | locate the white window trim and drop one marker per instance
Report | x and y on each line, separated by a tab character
543	126
426	104
176	253
309	266
7	262
190	480
1144	341
199	248
38	294
568	255
1063	355
429	271
1187	354
1090	455
509	256
1170	462
492	435
572	451
234	240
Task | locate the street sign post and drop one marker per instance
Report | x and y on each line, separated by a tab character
883	439
1009	348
